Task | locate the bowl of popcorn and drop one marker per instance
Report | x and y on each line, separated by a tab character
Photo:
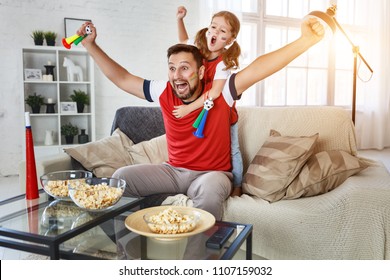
97	194
172	221
56	183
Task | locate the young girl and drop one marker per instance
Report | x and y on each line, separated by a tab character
218	45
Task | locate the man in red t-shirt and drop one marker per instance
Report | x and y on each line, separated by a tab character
197	167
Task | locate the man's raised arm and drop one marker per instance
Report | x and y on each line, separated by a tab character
110	68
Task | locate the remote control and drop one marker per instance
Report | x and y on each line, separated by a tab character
219	237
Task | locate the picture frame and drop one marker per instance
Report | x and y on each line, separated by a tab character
72	25
32	74
68	107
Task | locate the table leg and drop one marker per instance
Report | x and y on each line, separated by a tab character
54	251
249	247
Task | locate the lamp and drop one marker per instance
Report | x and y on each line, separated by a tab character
330	20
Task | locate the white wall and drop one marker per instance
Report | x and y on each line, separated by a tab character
133	32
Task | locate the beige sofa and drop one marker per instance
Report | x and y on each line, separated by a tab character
351	221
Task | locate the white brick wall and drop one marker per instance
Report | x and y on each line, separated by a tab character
135	33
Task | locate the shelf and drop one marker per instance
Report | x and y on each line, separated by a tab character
58	90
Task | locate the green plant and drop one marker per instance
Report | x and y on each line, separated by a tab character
69	129
35	100
38	36
50	38
80	96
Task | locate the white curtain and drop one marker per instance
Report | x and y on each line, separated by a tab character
207	8
372	117
373	97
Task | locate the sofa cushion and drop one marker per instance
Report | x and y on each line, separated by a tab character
324	172
276	165
152	151
104	156
131	118
254	124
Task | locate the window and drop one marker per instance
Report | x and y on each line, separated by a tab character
322	75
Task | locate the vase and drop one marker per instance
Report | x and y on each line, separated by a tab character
80	107
49	135
38	42
51	42
36	109
50	108
83	138
69	139
50	70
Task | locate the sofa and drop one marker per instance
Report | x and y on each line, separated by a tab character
346	215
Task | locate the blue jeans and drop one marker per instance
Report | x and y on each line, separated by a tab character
237	166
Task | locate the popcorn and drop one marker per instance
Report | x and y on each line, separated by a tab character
171	221
95	197
59	188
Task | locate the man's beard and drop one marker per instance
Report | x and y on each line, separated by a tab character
188	95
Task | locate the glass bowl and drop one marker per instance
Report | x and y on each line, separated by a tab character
59	216
96	194
172	221
55	184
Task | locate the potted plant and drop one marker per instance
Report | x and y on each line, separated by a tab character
35	102
50	38
81	98
38	37
69	131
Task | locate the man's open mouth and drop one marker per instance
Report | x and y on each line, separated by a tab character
181	86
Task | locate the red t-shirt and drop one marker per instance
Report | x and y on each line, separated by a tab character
210	71
185	149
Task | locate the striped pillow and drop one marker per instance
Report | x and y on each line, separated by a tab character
276	165
324	172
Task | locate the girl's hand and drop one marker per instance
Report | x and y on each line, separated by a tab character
181	12
180	111
236	191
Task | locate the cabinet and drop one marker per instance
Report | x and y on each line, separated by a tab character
58	90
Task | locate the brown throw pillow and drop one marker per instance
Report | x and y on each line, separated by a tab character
276	165
105	156
324	172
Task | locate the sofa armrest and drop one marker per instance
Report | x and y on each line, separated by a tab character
45	165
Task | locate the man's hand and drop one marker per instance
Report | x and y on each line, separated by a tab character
181	12
91	33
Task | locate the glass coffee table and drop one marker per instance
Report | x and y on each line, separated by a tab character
44	226
61	230
112	240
